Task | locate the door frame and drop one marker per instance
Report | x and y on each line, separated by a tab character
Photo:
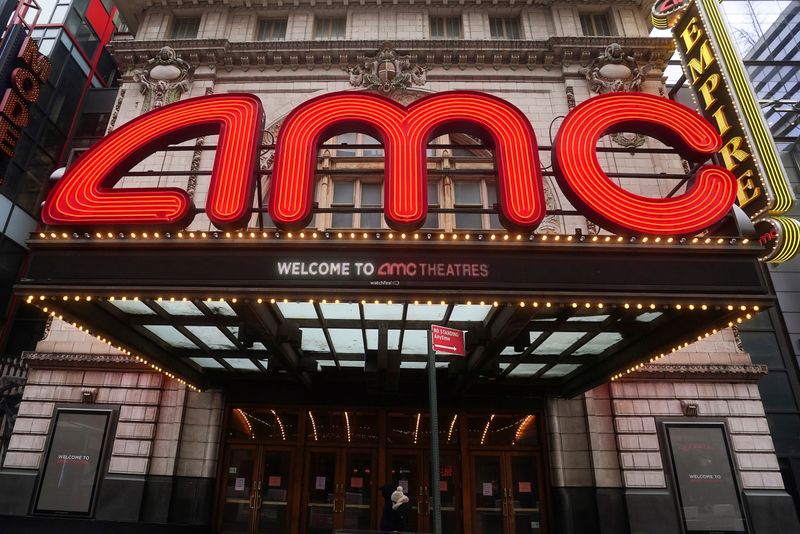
260	450
464	449
506	479
340	477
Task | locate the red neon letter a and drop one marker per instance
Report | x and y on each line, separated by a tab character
405	132
84	196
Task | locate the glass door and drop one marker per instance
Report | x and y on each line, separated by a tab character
506	493
257	493
340	490
406	470
322	489
412	471
239	490
524	505
488	494
272	499
450	491
356	503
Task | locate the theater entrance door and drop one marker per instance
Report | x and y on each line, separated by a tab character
506	493
339	490
411	470
258	490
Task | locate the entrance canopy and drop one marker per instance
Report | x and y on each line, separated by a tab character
544	314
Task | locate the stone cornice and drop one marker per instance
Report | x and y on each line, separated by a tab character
439	54
699	373
133	10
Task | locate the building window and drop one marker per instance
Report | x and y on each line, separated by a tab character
595	24
271	30
356	193
477	194
446	27
329	27
432	221
185	27
504	28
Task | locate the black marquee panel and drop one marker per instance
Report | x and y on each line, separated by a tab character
549	318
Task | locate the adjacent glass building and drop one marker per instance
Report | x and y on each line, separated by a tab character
73	108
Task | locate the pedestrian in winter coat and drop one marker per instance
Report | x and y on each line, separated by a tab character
401	508
388	519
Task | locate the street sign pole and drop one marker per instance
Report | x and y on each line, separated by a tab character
434	415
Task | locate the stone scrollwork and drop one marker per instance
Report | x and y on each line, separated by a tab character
164	78
387	71
616	71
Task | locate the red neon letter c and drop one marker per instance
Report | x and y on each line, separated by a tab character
587	186
85	195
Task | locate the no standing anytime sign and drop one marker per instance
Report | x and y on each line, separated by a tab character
447	340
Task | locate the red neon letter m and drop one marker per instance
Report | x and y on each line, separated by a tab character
405	133
84	196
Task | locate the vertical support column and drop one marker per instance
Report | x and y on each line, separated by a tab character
434	409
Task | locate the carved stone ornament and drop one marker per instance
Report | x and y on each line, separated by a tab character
387	71
164	78
616	71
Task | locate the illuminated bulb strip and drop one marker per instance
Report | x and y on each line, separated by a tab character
522	427
486	429
501	238
246	421
738	320
690	306
452	426
280	424
313	425
30	300
416	428
347	425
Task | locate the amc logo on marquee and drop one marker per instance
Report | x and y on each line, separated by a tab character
85	195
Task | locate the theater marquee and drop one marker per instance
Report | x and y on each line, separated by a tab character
581	310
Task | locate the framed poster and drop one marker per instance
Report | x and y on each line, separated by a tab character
705	478
74	456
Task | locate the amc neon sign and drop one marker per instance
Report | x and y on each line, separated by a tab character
85	195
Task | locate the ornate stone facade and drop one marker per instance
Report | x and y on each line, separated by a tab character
164	78
387	71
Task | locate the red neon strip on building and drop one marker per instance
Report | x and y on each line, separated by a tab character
84	196
405	132
588	187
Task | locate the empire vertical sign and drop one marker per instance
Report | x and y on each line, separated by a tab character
726	100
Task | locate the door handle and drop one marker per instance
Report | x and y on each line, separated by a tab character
252	501
505	508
